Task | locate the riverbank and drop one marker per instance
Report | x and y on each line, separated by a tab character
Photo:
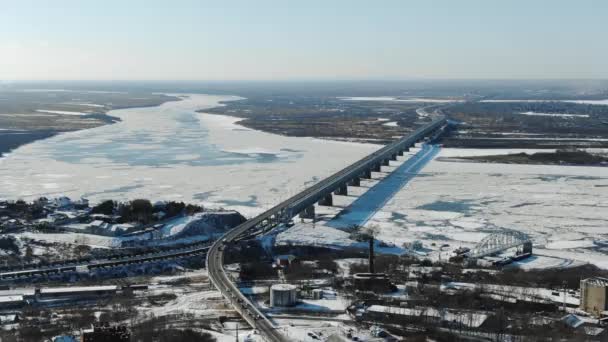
28	115
171	152
559	157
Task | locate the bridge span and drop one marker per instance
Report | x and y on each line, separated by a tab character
303	204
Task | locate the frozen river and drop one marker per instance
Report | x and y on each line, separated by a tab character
170	152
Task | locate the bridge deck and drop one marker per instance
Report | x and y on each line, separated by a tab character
287	210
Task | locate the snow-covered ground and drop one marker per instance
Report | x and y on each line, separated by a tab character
399	99
170	152
97	241
562	115
391	124
471	319
61	112
563	208
592	102
518	292
560	207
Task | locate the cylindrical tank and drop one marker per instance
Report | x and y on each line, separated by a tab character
283	295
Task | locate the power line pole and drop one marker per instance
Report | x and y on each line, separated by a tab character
565	284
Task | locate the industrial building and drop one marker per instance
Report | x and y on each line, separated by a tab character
372	281
594	295
11	302
285	260
282	295
17	298
376	282
76	292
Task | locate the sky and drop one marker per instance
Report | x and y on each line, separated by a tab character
302	40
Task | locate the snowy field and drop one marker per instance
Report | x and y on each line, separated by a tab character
170	152
591	102
563	208
560	207
399	99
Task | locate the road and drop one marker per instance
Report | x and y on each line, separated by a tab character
288	209
109	262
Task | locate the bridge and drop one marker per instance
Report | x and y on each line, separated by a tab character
303	204
28	272
499	242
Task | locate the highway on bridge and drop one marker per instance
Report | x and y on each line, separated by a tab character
289	208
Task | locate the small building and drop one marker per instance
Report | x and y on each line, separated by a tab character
283	295
62	202
285	260
77	292
99	224
594	295
585	326
377	282
11	302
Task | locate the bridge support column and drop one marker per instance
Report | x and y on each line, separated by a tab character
367	174
327	201
355	182
407	149
400	153
385	162
342	190
376	168
394	156
308	213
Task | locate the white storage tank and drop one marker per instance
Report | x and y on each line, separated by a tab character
283	295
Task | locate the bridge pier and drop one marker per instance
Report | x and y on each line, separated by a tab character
342	190
308	213
400	153
355	182
273	220
407	149
376	168
367	174
385	162
394	156
327	201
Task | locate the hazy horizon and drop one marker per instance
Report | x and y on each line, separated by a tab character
188	40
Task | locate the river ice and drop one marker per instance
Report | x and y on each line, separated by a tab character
170	152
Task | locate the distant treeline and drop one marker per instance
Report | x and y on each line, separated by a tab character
143	211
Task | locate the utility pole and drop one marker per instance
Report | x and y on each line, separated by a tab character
237	332
564	304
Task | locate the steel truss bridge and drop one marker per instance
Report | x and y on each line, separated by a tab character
498	242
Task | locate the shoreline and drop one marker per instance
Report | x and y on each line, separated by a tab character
17	138
208	155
